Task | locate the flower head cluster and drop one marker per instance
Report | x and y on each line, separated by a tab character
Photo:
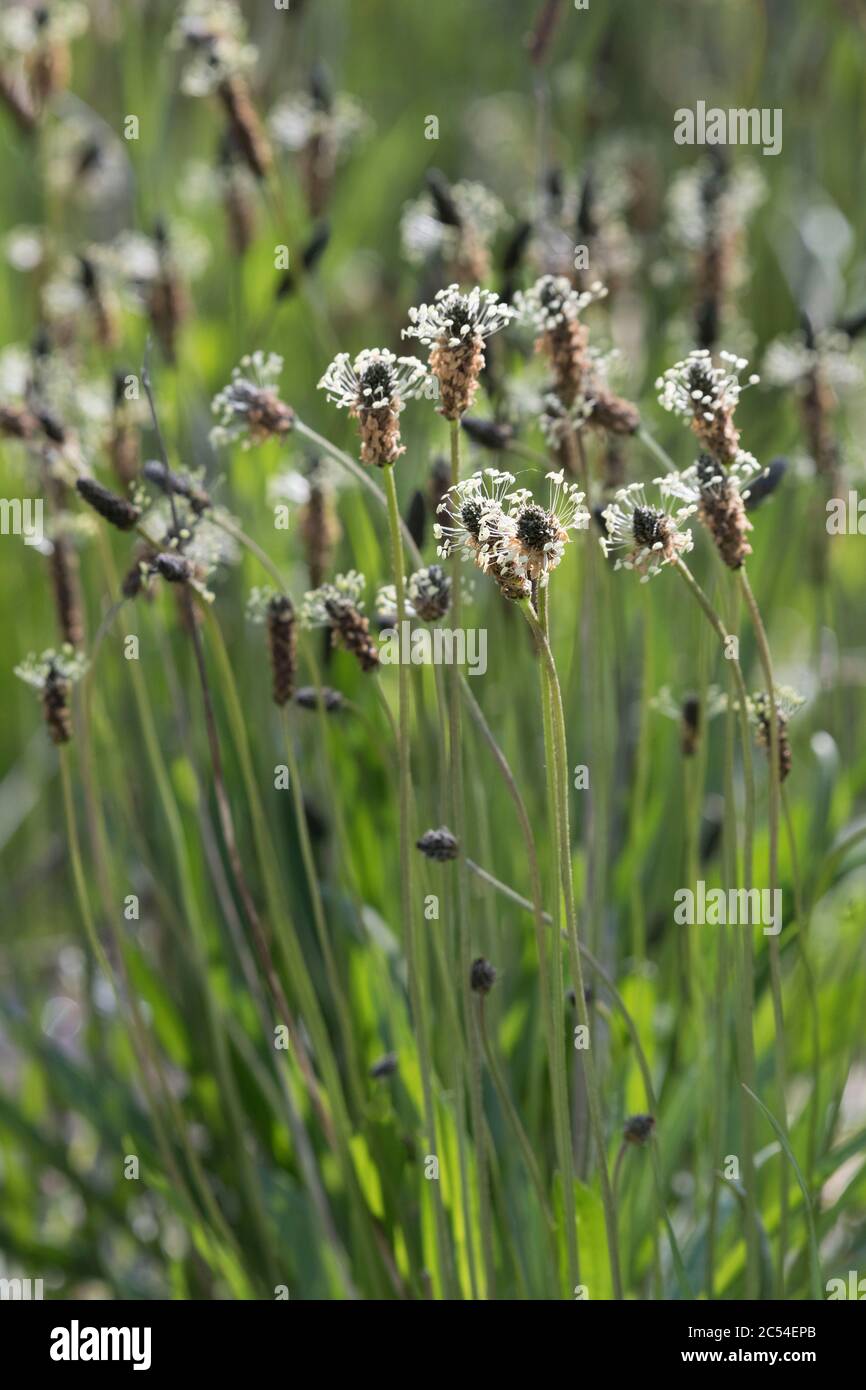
27	27
553	307
301	118
428	596
185	547
249	408
213	34
275	610
374	388
648	536
455	327
691	712
85	162
338	606
759	709
472	509
706	396
719	494
790	361
456	227
505	532
530	539
553	302
706	202
52	675
320	127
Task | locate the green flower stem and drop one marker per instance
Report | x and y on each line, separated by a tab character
802	912
513	1119
332	974
555	1036
176	837
464	942
415	954
656	449
774	952
143	1047
560	757
508	892
557	978
745	982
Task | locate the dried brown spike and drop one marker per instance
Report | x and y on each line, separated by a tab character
240	216
167	306
439	845
67	591
723	512
113	508
55	706
246	128
320	531
352	630
282	646
614	414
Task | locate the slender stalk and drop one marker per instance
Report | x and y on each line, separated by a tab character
555	1034
508	892
775	962
557	985
414	953
802	941
513	1118
86	913
560	754
745	992
331	972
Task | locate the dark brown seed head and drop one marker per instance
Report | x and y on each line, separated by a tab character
116	510
173	567
282	646
764	735
386	1066
308	698
246	129
67	591
482	976
723	512
488	433
352	630
690	725
55	706
638	1129
614	414
439	844
651	526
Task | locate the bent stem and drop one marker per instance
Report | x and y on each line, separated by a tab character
560	769
414	955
